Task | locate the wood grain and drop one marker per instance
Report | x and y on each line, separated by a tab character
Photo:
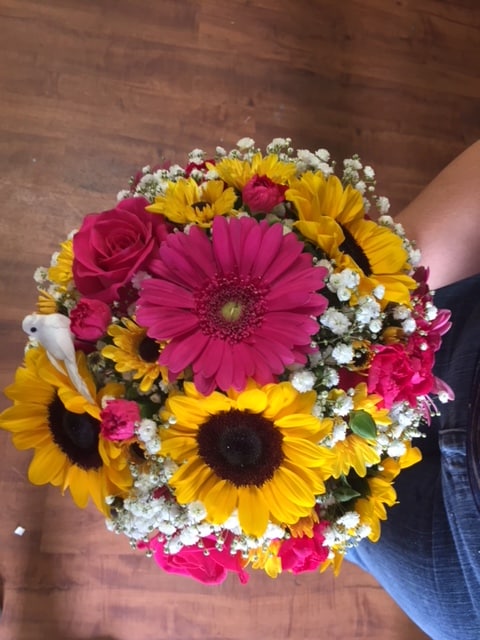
92	90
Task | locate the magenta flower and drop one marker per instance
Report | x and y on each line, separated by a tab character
90	319
194	563
261	194
235	306
118	419
299	555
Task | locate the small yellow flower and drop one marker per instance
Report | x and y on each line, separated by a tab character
236	173
381	492
135	353
186	202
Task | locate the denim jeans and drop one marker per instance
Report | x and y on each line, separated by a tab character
428	556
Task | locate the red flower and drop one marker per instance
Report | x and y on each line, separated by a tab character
90	319
400	373
112	246
118	419
261	194
304	554
194	563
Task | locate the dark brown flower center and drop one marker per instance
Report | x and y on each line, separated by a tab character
244	448
355	251
148	349
76	434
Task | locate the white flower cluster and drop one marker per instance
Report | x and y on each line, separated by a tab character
153	181
346	532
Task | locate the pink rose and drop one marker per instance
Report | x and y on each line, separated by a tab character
90	319
192	562
112	246
117	420
261	194
304	554
398	374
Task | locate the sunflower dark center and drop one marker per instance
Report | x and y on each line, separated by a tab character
231	307
148	349
76	434
200	206
244	448
353	249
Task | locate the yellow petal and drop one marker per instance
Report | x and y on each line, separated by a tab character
222	500
253	511
46	464
254	400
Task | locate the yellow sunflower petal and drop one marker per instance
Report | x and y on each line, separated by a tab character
45	464
252	511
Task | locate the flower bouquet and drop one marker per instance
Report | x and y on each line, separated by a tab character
232	362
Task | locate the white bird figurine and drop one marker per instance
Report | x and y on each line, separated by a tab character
53	332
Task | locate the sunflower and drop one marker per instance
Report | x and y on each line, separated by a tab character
381	492
186	202
254	451
60	273
134	352
63	428
333	219
236	173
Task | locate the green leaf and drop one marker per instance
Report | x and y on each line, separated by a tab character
363	425
345	494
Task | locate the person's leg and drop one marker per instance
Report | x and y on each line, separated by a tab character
428	557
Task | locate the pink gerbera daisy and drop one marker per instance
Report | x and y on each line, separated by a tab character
237	305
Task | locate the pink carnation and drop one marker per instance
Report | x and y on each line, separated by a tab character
193	562
90	319
235	306
118	419
398	374
261	194
304	554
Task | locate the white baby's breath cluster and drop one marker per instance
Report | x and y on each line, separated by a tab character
153	181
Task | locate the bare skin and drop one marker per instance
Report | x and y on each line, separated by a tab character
444	220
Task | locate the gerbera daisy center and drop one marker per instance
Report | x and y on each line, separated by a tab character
231	307
241	447
232	311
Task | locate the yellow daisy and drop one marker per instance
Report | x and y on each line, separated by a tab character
254	451
186	202
61	273
381	492
236	173
51	417
333	218
135	353
358	452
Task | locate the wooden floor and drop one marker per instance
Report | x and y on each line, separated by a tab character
92	89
